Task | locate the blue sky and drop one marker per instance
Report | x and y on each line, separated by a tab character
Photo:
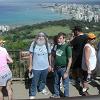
41	1
49	0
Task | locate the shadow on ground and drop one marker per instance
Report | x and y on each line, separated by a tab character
94	83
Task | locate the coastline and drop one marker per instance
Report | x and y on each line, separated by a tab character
45	16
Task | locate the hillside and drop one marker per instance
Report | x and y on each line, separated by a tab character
21	37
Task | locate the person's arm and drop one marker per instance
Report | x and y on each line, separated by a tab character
9	59
69	51
31	57
49	59
69	64
87	55
66	74
30	62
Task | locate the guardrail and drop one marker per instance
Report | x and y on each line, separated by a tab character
20	64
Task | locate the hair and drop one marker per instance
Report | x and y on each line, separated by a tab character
77	28
55	39
61	34
45	36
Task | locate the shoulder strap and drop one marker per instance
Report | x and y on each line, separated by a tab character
34	46
46	44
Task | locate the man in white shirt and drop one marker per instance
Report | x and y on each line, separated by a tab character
40	64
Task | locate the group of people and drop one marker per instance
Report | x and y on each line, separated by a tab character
84	58
78	58
41	60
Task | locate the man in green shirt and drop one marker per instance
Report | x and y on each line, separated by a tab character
63	60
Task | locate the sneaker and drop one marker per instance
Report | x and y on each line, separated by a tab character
85	89
32	97
98	77
45	92
54	96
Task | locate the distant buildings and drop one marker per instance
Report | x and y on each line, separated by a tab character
4	28
79	11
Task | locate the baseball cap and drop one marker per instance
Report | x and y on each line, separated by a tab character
91	35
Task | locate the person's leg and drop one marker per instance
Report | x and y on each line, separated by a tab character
33	87
61	83
56	83
85	83
76	70
9	90
85	86
65	82
1	94
42	80
74	74
66	87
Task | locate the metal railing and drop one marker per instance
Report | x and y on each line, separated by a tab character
20	64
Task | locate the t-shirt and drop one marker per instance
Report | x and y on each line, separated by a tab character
78	44
63	52
40	57
3	61
92	58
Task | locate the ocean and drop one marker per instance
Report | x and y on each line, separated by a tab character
25	12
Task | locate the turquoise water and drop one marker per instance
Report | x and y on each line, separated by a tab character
23	12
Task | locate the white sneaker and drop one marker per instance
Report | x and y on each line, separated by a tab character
98	77
32	97
45	92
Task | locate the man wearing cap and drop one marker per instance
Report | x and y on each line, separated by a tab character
40	64
5	72
88	61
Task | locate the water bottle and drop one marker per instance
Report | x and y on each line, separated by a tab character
30	74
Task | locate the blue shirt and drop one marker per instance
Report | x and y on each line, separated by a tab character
40	58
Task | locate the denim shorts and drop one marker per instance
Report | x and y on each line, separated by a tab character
5	78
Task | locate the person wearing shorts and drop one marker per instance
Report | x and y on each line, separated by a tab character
5	72
88	61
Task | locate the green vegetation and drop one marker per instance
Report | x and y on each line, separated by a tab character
53	30
21	37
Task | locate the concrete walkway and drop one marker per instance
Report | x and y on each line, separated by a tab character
20	92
